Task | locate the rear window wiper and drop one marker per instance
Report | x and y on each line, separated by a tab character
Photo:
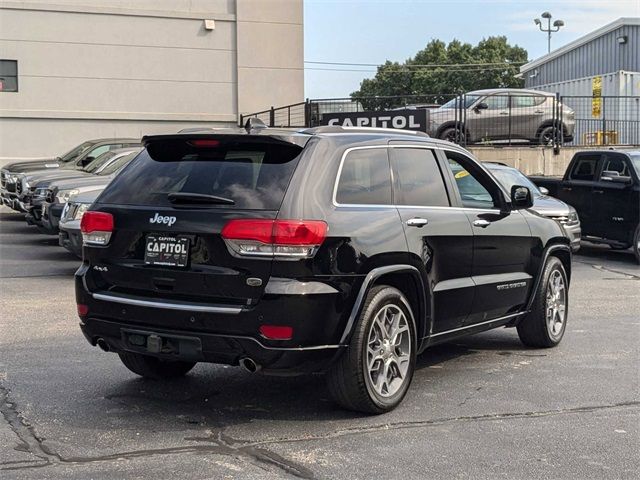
198	198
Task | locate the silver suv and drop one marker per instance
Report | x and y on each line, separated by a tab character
502	114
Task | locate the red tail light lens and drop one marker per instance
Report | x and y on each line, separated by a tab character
276	332
96	228
275	238
83	310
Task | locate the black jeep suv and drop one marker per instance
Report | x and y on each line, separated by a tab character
337	250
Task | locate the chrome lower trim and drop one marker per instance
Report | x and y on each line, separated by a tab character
467	327
281	349
287	286
185	307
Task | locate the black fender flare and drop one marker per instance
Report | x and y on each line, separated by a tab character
543	261
370	280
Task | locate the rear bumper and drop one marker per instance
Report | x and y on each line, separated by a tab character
224	333
197	346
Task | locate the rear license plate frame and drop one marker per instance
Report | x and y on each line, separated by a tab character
166	257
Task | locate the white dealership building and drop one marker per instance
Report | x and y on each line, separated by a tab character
72	70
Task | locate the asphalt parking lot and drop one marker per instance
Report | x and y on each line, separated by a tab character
484	407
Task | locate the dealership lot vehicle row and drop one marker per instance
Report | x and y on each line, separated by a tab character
479	407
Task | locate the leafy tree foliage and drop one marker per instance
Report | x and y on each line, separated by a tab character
459	72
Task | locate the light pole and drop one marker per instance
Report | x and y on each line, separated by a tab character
548	30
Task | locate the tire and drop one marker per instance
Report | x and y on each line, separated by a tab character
536	330
156	368
450	134
546	136
636	244
351	382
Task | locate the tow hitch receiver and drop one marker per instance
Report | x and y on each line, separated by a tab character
169	345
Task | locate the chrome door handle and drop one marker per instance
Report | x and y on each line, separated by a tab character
417	222
538	111
503	113
481	223
598	191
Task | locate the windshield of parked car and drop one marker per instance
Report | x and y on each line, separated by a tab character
635	159
509	177
117	164
455	102
99	162
75	152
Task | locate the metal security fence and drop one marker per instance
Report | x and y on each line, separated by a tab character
605	120
492	119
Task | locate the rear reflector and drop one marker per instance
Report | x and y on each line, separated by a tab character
275	238
96	228
83	310
276	332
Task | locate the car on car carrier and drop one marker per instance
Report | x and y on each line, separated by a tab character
337	250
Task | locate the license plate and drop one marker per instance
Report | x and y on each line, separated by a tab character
167	251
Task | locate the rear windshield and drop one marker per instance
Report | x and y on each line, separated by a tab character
253	177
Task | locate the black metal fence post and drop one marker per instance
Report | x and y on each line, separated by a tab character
272	117
604	121
241	120
307	113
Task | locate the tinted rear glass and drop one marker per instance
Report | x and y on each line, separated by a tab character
365	178
254	176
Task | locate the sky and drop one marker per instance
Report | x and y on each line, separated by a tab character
373	31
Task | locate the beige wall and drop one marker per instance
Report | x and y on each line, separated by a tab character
90	67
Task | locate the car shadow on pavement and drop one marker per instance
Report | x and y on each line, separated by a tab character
591	253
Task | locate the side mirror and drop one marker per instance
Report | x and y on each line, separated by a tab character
615	177
521	197
481	106
544	190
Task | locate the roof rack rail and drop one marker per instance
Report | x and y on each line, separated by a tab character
340	129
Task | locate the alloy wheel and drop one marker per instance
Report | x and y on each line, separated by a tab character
388	353
556	303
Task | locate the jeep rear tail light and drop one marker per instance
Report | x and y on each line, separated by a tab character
96	228
83	309
274	238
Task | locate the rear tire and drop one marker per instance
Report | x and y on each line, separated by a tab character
375	372
636	244
545	325
451	134
546	136
153	367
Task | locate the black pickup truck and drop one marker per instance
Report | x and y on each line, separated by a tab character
604	187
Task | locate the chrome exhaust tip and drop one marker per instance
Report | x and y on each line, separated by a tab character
249	365
104	346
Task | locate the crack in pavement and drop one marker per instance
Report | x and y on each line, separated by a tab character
30	442
247	450
630	276
440	421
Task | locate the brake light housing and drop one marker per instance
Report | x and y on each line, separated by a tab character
96	228
286	239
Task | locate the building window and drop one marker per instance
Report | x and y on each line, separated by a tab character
8	75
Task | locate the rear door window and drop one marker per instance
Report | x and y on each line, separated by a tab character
585	168
365	178
418	180
253	177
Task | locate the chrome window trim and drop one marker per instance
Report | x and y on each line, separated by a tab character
398	145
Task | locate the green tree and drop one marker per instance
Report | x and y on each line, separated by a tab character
441	71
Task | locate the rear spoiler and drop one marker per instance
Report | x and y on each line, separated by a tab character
172	147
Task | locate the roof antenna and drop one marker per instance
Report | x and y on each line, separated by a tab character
254	123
